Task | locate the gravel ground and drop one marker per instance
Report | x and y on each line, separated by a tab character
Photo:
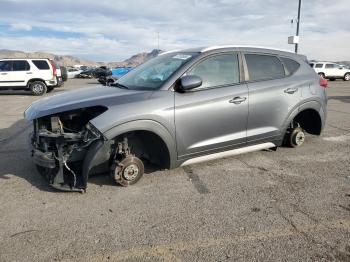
288	205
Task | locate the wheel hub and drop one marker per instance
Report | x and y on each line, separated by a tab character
131	172
300	138
38	88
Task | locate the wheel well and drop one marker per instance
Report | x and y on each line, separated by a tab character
149	147
35	79
310	121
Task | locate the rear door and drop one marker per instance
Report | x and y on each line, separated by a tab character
271	96
331	70
20	72
214	115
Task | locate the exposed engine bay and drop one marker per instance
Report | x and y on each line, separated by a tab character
67	148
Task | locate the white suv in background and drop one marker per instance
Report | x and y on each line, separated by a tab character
331	71
37	75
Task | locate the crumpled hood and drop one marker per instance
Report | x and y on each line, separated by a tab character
81	98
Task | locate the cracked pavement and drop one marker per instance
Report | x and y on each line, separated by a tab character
288	205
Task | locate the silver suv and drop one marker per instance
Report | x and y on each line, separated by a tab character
180	108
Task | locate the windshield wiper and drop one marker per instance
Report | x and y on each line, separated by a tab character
119	85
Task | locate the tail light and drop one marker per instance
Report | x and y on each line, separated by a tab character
53	68
323	82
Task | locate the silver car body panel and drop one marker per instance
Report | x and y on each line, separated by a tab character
198	123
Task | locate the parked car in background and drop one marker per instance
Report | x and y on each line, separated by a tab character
37	75
180	108
120	71
101	71
115	74
73	72
86	74
331	70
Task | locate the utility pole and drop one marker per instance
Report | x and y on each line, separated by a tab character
298	22
158	39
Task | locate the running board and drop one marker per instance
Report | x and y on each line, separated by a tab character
228	153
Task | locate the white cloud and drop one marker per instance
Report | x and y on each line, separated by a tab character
20	27
107	30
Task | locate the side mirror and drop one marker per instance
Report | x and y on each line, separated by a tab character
189	82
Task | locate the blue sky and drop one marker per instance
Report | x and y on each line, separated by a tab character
107	30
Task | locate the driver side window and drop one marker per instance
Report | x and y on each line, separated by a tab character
215	71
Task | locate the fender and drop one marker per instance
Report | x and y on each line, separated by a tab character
33	80
151	126
96	159
312	104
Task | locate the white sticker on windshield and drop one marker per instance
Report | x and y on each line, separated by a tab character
182	56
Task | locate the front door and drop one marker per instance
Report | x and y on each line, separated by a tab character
5	72
212	117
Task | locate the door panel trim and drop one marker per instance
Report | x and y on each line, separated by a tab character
16	81
233	152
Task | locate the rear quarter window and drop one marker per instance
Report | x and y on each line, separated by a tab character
291	65
41	64
318	65
264	67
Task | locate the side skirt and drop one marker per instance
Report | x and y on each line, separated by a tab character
228	153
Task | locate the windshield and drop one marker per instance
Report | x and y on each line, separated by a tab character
152	74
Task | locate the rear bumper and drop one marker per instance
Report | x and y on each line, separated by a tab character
59	81
52	82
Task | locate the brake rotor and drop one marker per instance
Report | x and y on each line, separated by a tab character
128	171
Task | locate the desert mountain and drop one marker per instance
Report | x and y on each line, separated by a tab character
67	60
137	59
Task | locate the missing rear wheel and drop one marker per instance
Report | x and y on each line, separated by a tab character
296	137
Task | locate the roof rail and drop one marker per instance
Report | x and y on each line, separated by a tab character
244	46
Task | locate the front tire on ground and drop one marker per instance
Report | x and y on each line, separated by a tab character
38	88
347	77
296	137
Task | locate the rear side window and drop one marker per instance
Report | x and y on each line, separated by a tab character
20	65
318	65
330	65
41	64
291	65
219	70
5	66
263	67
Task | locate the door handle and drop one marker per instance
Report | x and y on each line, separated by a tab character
290	90
3	73
29	73
238	100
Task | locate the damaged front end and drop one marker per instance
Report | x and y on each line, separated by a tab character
67	148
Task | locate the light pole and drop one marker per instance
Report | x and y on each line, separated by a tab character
298	22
